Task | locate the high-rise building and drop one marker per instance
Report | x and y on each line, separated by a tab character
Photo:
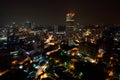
55	28
28	24
70	22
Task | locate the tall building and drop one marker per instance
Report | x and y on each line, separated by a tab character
28	24
60	29
70	22
55	28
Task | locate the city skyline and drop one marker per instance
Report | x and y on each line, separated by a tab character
54	12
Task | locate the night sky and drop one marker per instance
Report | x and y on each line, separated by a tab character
54	11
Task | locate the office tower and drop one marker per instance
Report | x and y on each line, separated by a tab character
70	23
28	24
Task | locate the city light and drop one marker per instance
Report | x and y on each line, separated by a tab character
68	51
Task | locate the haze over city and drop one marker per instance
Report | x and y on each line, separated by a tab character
54	11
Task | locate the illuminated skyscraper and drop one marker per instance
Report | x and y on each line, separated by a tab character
70	23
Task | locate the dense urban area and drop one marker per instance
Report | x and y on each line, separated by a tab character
59	52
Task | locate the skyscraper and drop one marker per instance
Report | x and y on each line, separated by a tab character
28	24
70	23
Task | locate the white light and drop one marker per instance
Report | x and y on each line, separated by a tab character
79	55
33	41
27	53
21	66
80	29
25	70
37	67
47	62
28	42
118	48
116	39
